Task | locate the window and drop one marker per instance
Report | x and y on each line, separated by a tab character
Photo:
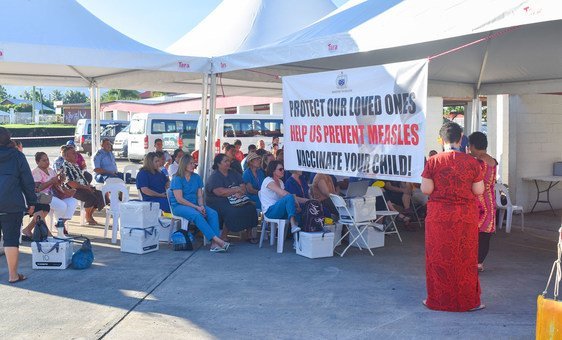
253	127
172	126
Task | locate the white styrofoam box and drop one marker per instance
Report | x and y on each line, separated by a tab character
52	254
139	214
139	240
336	229
373	235
362	208
165	229
315	245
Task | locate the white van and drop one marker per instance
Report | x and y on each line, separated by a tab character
83	131
145	128
248	128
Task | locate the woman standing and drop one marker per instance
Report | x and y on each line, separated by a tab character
187	202
225	188
452	180
48	179
478	143
253	177
152	183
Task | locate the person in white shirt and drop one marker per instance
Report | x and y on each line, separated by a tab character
173	168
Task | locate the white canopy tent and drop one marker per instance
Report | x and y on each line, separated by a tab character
62	44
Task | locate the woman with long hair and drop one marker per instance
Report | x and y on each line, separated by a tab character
187	202
152	183
453	180
477	143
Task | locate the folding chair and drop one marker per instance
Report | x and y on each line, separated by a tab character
114	188
507	209
347	218
382	214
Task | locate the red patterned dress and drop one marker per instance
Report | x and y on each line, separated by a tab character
451	233
487	201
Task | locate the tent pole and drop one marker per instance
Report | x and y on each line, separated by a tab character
476	105
202	160
210	154
93	118
98	118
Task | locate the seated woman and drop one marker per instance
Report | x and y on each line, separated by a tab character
322	187
92	198
152	183
222	184
48	180
253	177
173	168
276	202
187	202
296	184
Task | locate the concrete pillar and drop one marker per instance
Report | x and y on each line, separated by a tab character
498	132
276	108
245	109
434	121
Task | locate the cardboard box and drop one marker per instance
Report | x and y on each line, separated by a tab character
362	208
373	235
53	254
337	230
315	245
137	214
139	240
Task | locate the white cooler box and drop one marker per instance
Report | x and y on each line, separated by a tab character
362	208
373	236
336	229
139	240
315	245
139	214
165	229
53	254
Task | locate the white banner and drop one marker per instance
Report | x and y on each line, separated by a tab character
362	122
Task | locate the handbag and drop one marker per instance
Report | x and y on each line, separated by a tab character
83	257
41	231
549	311
61	192
237	200
44	198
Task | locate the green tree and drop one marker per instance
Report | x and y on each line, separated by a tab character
28	95
56	95
3	93
75	97
119	94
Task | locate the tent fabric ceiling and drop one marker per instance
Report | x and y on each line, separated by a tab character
370	33
238	25
81	48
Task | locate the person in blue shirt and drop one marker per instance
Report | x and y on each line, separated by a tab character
253	177
296	184
187	201
104	163
152	183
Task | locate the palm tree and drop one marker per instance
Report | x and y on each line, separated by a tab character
119	94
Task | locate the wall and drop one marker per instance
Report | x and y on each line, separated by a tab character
434	121
535	126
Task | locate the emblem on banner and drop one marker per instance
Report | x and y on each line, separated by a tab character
341	81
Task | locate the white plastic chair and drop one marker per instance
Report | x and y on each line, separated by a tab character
114	189
508	208
133	169
347	218
277	227
184	221
382	214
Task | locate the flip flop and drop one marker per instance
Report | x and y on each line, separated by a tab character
218	250
21	277
482	306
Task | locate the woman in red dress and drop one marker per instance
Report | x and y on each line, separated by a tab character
452	179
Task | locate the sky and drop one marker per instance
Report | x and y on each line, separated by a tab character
155	23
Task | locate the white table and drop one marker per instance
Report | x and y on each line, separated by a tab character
551	180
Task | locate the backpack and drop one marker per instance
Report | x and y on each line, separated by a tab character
312	219
83	257
181	240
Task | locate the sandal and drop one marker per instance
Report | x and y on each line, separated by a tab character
482	306
21	277
218	250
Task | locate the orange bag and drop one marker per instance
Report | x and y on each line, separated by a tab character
549	311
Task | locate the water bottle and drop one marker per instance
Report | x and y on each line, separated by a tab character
60	228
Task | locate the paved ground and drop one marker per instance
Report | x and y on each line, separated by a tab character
257	293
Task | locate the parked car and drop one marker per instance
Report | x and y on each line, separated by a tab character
83	133
120	147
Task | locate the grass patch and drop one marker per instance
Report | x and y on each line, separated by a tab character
33	126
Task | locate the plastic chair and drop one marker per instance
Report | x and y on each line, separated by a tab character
508	208
133	169
347	218
382	214
114	189
277	226
183	221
